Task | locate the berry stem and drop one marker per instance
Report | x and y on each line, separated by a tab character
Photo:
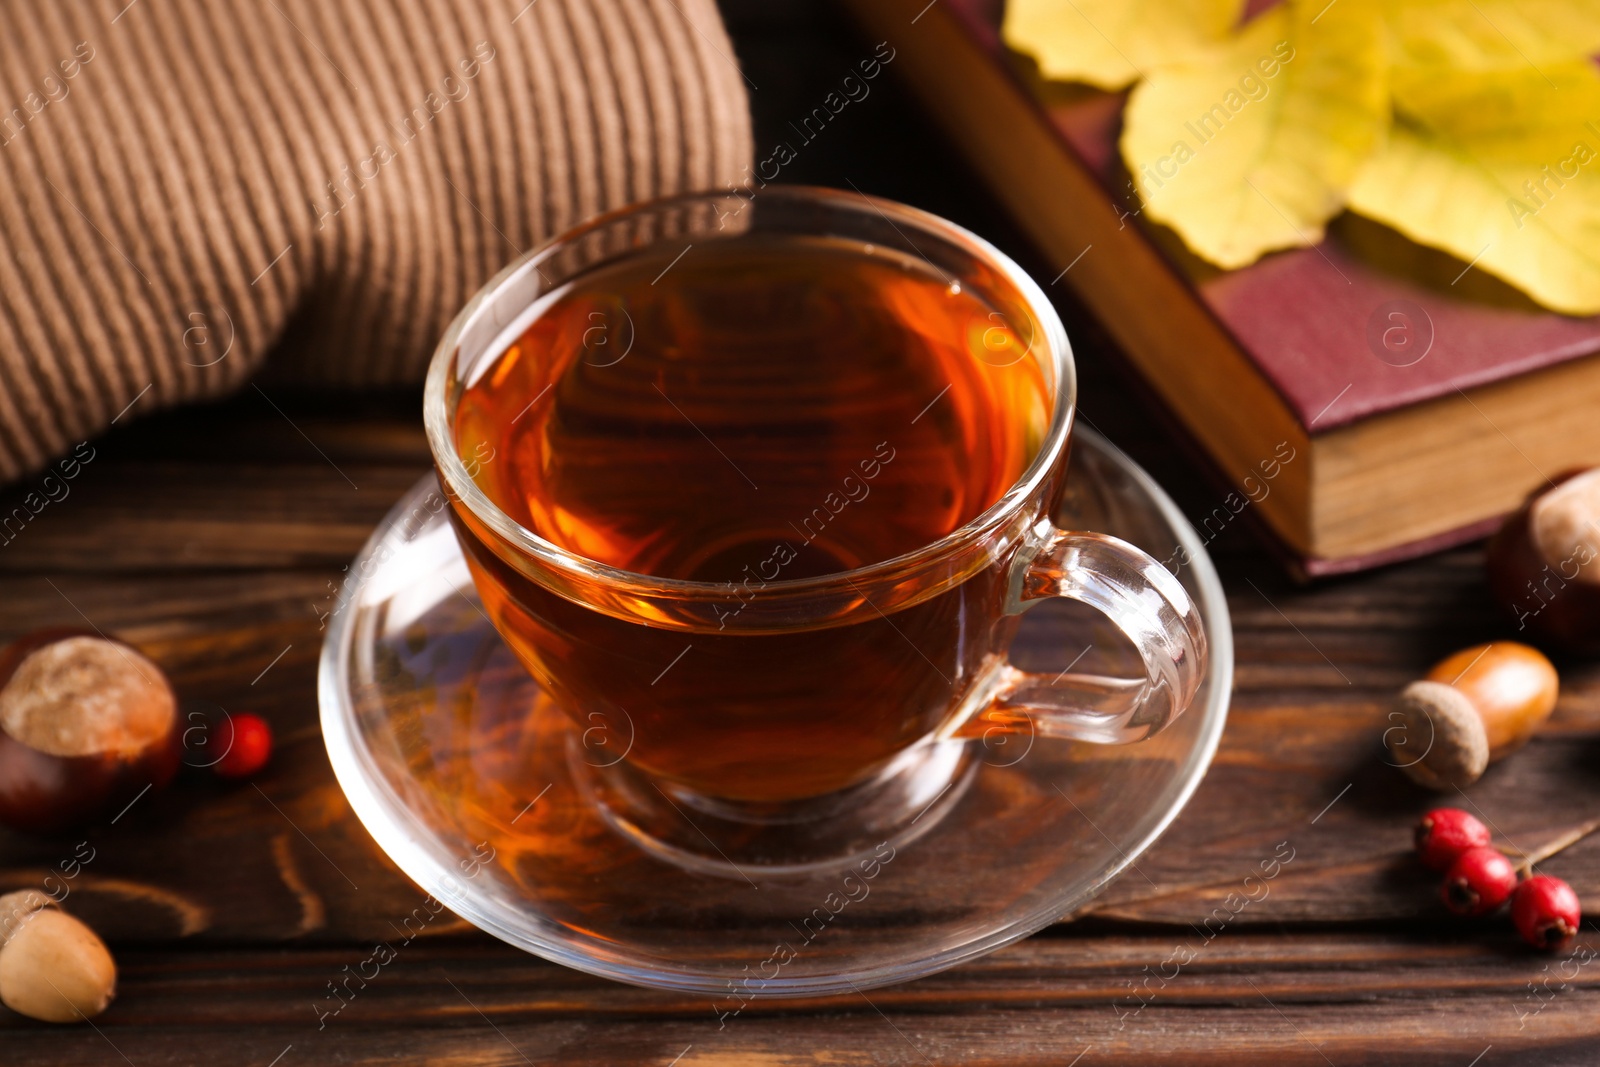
1566	840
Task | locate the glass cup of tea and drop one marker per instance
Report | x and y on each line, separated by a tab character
757	487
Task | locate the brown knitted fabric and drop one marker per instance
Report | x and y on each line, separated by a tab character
183	183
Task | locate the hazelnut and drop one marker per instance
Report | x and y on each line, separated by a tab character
52	967
86	725
1543	565
1473	708
14	907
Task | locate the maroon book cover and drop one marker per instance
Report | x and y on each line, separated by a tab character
1328	359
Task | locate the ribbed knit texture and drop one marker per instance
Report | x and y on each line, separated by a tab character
186	183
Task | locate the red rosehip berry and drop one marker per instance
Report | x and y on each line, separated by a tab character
1546	912
1445	833
246	742
1478	882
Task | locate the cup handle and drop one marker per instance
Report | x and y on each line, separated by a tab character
1143	600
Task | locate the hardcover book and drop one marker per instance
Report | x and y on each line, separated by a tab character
1420	400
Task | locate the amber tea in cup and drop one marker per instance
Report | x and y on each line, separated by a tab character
757	490
788	407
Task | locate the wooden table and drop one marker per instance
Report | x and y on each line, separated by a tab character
212	538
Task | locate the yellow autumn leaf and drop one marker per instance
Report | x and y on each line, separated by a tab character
1501	169
1249	146
1485	35
1111	43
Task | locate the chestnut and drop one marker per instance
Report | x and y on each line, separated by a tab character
86	725
1543	565
1473	708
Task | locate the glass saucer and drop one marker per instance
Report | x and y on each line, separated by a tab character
427	720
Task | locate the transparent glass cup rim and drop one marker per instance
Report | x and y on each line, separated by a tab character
439	405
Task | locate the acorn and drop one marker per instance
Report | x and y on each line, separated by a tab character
87	725
1472	709
1543	565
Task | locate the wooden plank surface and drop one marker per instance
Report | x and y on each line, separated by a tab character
1036	1003
1315	670
210	537
232	907
1262	997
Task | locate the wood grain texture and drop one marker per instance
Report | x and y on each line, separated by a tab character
1316	669
232	907
1309	999
210	538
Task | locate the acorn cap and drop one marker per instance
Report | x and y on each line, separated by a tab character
1439	739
